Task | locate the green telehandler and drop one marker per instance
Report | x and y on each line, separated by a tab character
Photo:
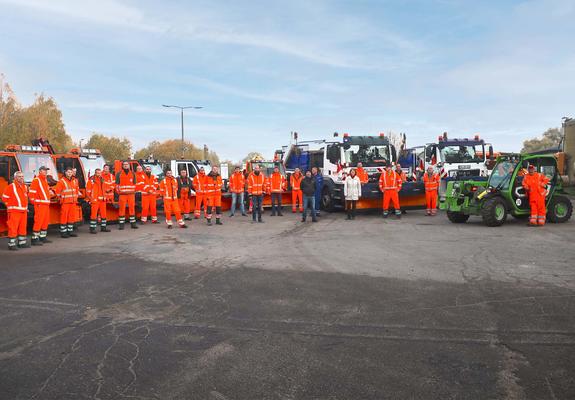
503	193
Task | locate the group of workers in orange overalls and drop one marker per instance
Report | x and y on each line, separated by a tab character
178	192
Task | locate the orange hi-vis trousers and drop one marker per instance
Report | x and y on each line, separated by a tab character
149	207
68	216
431	201
130	201
201	199
41	220
17	221
393	197
172	206
296	197
538	209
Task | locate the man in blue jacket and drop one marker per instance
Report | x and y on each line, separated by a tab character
318	188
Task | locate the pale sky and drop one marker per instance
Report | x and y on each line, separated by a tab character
504	69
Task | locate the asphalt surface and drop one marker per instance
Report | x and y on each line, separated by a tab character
366	309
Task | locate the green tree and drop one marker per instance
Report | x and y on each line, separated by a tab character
550	138
21	125
172	150
112	148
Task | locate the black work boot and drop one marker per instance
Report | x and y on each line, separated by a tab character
93	230
36	241
121	226
209	222
134	225
218	222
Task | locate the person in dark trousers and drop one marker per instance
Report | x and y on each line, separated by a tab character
318	177
308	188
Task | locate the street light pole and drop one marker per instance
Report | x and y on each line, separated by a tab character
182	119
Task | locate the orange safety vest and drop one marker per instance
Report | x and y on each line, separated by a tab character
96	188
126	182
40	190
256	184
431	183
140	181
277	183
295	181
213	184
199	182
390	181
536	183
237	182
67	190
169	188
362	175
16	197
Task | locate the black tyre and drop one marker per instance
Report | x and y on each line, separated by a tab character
494	212
560	209
457	218
327	200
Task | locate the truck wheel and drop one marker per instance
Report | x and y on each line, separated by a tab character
494	212
457	218
327	200
560	209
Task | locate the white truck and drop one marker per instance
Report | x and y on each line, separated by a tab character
340	154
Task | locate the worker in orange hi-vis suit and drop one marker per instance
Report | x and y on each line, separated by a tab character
535	185
277	185
126	188
390	184
110	180
199	183
169	191
78	210
296	193
213	194
185	193
67	192
96	193
40	195
431	183
361	173
15	197
148	184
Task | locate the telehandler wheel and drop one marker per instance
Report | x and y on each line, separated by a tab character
494	212
457	218
560	209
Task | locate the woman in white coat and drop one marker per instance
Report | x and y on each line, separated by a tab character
352	193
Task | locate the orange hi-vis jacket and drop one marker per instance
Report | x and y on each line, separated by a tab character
148	184
126	182
140	178
402	175
96	189
40	192
67	190
362	175
536	184
199	183
390	181
431	183
256	184
277	183
213	184
237	182
295	181
111	185
169	188
15	197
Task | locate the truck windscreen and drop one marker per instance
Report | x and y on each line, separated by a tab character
464	153
157	170
90	165
31	163
370	156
